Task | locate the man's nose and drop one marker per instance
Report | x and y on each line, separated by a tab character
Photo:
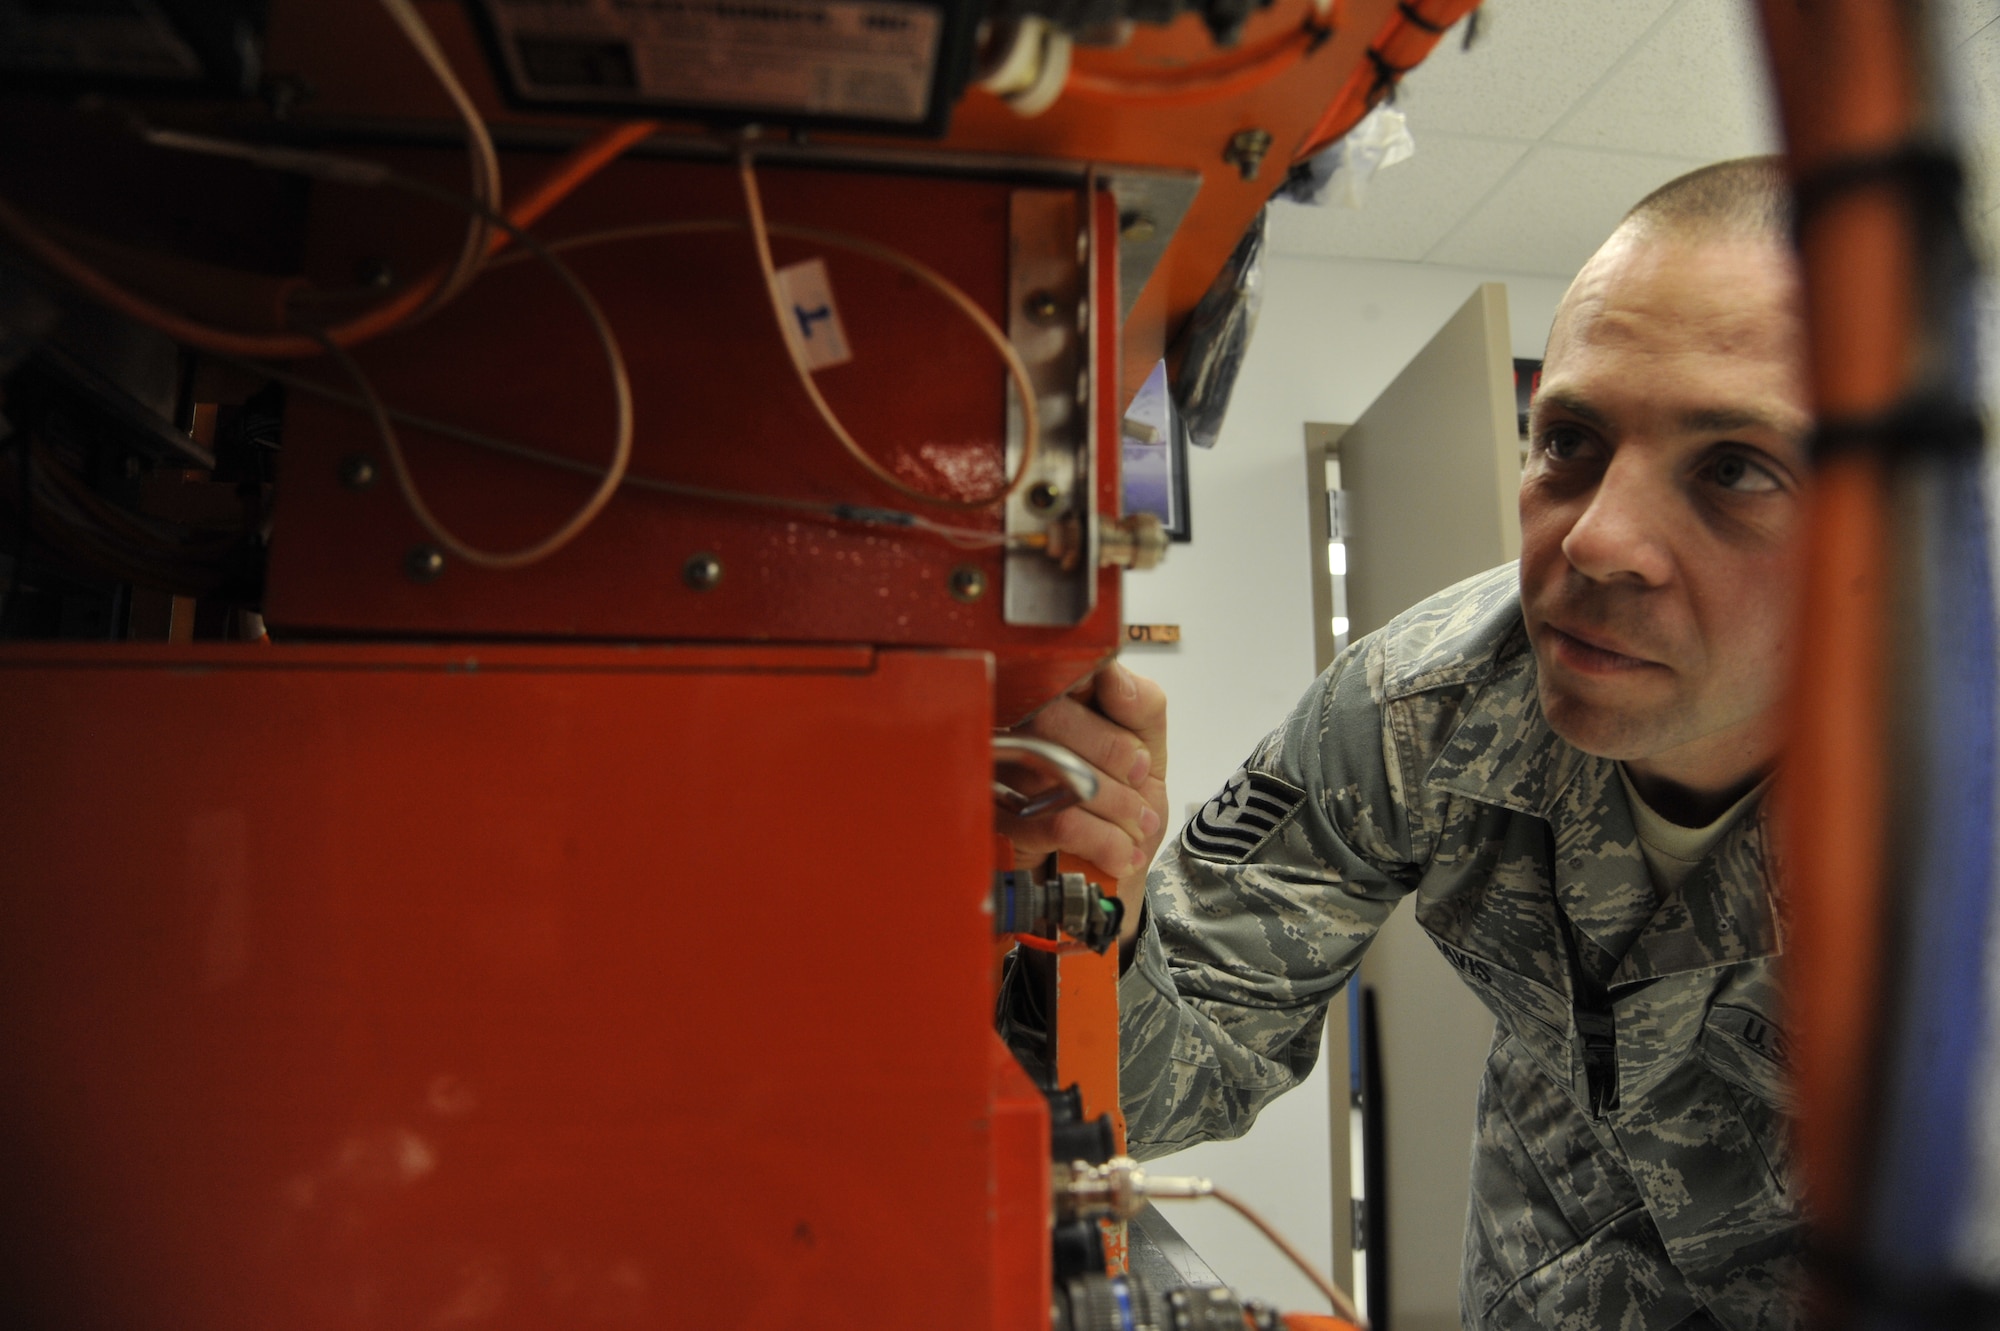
1621	535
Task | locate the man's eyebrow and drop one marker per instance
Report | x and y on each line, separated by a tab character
1702	420
1571	405
1726	420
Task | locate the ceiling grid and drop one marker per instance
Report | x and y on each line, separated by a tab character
1532	144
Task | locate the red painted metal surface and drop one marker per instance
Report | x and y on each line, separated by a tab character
357	66
1022	1260
369	986
350	987
717	407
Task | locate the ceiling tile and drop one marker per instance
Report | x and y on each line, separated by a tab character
1408	208
1534	60
1977	81
1958	19
1555	210
1695	87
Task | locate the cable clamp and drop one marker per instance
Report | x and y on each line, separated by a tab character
1387	75
1927	424
1931	174
1418	18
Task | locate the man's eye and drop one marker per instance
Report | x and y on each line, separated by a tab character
1733	471
1562	443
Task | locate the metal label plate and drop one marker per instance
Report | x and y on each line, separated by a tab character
851	59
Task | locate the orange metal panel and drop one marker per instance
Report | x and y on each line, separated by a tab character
364	987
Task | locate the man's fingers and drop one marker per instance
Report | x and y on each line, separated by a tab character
1106	844
1139	706
1104	744
1074	831
1122	732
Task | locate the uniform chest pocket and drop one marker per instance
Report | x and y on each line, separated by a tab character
1535	1014
1747	1049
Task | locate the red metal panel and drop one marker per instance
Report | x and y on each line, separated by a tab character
355	987
1022	1259
717	407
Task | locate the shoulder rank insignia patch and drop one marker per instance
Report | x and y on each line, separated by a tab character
1230	827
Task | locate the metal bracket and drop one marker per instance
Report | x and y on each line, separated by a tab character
1050	323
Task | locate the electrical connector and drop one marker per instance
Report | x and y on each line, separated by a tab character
1119	1188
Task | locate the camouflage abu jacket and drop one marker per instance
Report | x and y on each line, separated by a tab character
1630	1165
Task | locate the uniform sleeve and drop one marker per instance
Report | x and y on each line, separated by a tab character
1258	912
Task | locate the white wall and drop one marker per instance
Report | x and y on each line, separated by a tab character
1333	333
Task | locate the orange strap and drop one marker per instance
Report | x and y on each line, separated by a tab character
1398	48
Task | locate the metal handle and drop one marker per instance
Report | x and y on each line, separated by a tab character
1078	779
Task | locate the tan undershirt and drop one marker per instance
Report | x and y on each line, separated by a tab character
1673	852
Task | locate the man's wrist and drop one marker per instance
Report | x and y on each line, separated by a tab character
1128	937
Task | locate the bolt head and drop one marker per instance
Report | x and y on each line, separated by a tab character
357	472
968	583
702	572
1042	495
1135	227
1245	151
424	564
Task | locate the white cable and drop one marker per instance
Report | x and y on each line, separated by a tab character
484	166
614	474
1017	371
485	162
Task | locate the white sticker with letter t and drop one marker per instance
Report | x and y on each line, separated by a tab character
815	322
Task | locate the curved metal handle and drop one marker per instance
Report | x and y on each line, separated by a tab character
1078	778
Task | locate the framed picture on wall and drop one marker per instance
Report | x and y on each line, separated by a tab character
1155	457
1527	378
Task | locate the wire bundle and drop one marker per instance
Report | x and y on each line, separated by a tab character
54	506
1889	793
489	231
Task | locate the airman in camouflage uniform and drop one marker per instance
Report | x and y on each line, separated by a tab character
1485	755
1653	1191
1482	755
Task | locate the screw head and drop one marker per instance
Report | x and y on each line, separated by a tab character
1043	495
357	472
1245	151
424	564
1135	227
968	583
702	572
1042	306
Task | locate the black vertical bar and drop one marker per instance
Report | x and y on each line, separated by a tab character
1374	1164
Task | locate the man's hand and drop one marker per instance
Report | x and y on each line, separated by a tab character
1118	724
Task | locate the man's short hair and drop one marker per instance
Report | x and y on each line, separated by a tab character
1747	196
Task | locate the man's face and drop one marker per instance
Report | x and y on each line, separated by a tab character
1662	506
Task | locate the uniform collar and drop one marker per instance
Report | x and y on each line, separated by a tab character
1502	752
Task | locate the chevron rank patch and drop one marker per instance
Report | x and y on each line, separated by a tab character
1241	818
